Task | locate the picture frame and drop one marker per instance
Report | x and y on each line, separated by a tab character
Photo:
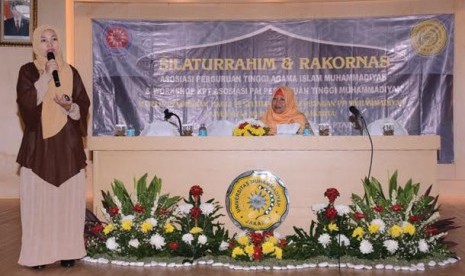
19	19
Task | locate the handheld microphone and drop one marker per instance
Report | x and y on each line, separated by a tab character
50	56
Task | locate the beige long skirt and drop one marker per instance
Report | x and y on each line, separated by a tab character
52	219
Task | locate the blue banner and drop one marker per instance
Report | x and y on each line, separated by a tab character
399	68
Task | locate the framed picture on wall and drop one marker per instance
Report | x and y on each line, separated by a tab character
19	19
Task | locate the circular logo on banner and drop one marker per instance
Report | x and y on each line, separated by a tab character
116	38
257	200
428	37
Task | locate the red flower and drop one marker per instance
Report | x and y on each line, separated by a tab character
138	208
396	208
113	211
173	246
232	244
359	215
257	238
243	125
196	191
163	211
257	253
96	229
331	194
195	212
378	208
331	213
282	243
414	218
431	230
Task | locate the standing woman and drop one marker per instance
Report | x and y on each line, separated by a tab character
51	156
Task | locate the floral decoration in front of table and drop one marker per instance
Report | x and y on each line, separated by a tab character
395	230
251	127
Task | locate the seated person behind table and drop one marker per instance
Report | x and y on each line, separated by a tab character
283	110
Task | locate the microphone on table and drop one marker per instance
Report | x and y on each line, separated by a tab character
356	117
169	114
50	56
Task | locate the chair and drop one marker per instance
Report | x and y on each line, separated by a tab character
376	128
160	128
220	128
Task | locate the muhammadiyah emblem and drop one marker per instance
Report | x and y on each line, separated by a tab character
257	200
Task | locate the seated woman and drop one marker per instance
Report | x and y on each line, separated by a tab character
283	110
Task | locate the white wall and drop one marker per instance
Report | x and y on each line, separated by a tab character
73	17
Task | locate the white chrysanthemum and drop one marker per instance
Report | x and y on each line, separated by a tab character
319	207
207	208
224	245
324	239
112	244
184	209
380	223
187	238
157	241
343	240
391	246
366	247
202	239
342	209
134	243
152	221
423	246
128	217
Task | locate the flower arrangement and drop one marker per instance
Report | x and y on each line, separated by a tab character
199	232
134	227
403	225
257	245
328	236
251	127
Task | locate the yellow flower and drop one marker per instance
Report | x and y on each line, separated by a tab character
395	231
126	224
373	228
243	240
110	227
267	247
196	230
409	229
169	228
358	232
333	227
278	253
272	239
237	251
249	250
238	132
146	226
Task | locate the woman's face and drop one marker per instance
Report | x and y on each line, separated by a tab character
278	104
48	42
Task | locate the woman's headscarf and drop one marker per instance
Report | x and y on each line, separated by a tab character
53	117
290	115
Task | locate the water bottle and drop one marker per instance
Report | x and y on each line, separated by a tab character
130	131
307	131
202	130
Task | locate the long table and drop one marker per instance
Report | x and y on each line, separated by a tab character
306	165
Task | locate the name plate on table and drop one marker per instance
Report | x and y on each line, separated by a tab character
257	200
